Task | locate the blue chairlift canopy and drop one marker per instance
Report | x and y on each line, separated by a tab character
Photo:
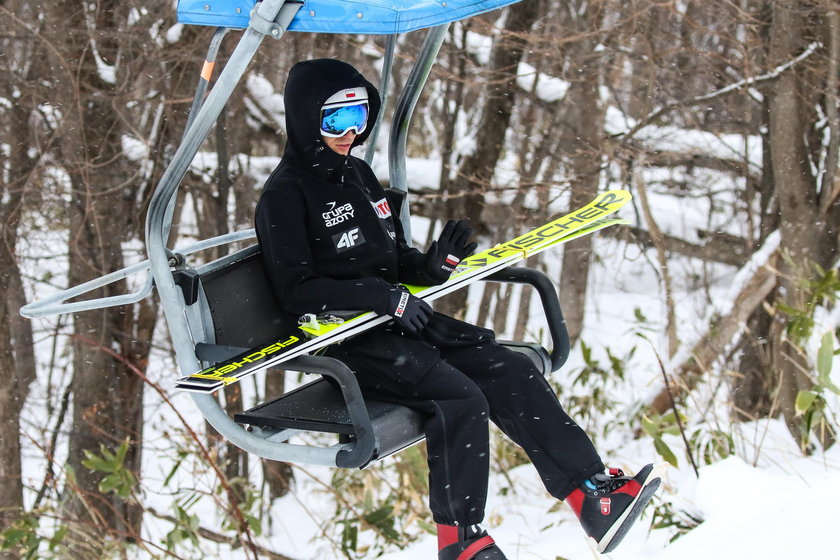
364	17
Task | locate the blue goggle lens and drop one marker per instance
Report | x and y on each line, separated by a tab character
337	121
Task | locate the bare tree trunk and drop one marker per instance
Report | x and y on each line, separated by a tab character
107	396
753	388
797	194
476	171
585	123
719	335
656	237
17	362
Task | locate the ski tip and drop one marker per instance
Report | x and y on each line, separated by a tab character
620	192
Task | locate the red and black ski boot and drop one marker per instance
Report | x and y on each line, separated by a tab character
607	505
469	542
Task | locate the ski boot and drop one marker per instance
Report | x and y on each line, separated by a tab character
469	542
607	505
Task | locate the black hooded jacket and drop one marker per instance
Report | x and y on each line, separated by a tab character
329	239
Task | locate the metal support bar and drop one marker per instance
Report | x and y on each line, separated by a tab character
402	117
384	86
198	101
55	304
281	13
204	78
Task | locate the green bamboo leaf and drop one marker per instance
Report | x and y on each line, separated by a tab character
172	472
825	355
13	537
804	401
254	524
109	483
650	427
380	515
96	463
122	450
665	452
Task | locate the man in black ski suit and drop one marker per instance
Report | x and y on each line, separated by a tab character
331	241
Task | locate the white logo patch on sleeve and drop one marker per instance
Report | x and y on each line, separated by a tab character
383	209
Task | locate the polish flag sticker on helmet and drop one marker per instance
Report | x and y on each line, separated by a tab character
347	95
383	209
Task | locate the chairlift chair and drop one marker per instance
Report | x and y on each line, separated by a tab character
204	305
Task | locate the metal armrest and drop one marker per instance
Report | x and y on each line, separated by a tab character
551	307
360	451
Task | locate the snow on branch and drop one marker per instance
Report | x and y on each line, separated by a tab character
735	86
726	321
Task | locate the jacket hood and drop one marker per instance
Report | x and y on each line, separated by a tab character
309	85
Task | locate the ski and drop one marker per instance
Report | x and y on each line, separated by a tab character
582	221
460	277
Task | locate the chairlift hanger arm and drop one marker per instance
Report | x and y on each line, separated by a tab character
156	227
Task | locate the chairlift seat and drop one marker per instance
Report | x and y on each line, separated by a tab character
241	311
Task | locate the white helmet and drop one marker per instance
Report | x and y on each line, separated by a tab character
349	96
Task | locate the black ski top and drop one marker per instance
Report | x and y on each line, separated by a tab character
329	238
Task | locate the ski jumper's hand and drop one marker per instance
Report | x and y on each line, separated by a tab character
451	247
410	313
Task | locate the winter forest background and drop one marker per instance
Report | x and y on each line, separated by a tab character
722	117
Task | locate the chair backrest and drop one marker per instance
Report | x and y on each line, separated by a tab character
244	310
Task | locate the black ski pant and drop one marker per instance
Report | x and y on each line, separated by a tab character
462	390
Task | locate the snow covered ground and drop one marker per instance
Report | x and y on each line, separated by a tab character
781	508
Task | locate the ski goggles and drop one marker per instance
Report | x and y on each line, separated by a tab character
336	120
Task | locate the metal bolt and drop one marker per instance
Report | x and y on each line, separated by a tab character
238	10
312	13
206	6
359	15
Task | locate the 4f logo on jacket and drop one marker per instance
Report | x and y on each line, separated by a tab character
334	216
348	239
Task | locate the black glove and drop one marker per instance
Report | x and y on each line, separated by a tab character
409	312
450	248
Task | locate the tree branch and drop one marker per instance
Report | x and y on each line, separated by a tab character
656	239
720	334
213	536
717	248
731	88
